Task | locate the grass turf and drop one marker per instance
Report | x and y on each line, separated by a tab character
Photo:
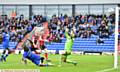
86	63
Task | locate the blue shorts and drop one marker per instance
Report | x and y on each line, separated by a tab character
33	57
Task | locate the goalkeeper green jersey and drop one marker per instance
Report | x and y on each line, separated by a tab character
69	42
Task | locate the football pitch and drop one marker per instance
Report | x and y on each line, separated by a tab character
85	63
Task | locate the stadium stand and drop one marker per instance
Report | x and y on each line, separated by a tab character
88	29
86	45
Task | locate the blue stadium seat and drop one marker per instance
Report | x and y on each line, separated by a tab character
86	44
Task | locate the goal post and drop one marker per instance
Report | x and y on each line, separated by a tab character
116	37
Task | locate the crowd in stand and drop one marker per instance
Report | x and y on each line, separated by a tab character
17	27
84	26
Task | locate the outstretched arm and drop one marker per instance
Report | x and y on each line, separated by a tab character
66	33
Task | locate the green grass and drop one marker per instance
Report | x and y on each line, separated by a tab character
86	63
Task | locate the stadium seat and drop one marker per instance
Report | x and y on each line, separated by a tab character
86	44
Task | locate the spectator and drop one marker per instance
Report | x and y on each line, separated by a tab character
85	34
83	25
99	41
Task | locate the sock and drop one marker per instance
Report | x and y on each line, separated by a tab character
2	56
5	56
24	60
64	58
42	59
46	56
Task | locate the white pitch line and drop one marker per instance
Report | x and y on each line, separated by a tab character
106	70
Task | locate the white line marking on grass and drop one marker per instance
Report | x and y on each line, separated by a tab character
19	70
106	70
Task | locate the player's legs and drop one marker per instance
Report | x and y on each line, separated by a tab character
25	57
32	57
4	54
72	62
45	52
64	58
35	58
5	51
24	60
39	60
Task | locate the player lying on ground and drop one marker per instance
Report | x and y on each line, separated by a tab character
35	58
68	47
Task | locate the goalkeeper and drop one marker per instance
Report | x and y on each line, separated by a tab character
68	47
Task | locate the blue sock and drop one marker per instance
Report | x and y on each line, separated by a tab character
2	57
5	56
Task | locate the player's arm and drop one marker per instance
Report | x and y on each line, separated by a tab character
66	33
72	34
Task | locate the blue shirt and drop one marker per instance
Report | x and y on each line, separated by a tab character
6	37
6	40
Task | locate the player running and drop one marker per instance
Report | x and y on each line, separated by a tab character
68	47
6	40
